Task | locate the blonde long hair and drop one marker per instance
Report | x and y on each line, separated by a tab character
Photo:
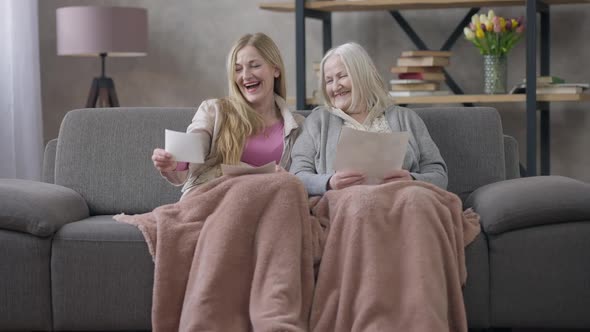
240	120
367	85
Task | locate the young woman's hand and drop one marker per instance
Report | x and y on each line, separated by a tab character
278	168
343	179
163	161
397	175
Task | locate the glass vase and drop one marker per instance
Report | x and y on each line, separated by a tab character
495	72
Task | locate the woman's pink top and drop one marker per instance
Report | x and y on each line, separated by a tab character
260	149
265	147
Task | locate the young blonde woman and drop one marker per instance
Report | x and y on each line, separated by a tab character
393	256
234	254
251	125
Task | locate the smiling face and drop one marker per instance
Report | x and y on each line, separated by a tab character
254	76
338	83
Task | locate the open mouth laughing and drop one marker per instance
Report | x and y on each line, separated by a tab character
340	94
252	87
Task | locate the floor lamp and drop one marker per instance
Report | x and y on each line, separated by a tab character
101	31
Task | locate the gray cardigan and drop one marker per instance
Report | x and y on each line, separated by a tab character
315	149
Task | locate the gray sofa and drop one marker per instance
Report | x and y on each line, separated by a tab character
66	265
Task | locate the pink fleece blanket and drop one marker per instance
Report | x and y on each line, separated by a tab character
237	254
393	259
234	254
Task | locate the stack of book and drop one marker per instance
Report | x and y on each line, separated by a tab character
419	73
552	85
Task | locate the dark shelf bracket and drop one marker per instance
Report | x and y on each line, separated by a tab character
401	21
458	32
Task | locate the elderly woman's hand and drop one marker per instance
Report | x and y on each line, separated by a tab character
343	179
397	175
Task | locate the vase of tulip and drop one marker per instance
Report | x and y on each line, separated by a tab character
495	73
494	36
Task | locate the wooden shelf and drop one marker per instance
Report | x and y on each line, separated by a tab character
516	98
475	99
369	5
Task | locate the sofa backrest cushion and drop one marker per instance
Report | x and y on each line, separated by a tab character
471	142
105	155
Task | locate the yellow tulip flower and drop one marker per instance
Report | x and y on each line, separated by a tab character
479	33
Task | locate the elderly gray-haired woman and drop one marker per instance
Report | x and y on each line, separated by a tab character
393	254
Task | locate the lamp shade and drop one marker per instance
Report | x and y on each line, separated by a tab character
92	30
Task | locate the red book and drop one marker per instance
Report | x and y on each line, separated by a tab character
422	76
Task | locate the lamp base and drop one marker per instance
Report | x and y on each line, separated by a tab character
102	93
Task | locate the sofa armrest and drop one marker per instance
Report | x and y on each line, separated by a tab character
38	208
532	201
48	174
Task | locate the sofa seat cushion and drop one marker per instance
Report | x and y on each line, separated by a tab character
38	208
99	229
532	201
102	276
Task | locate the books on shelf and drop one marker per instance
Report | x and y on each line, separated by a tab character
557	88
423	76
542	80
420	73
406	81
419	53
406	69
414	86
423	61
560	89
418	93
